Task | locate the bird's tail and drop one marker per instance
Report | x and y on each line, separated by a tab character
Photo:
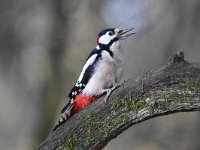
70	109
65	114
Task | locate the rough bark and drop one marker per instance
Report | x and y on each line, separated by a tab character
171	89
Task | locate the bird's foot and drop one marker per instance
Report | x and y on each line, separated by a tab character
109	92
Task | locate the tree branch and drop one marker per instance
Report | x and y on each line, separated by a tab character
171	89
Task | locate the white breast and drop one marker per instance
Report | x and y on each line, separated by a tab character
109	71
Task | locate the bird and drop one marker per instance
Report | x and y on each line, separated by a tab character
101	73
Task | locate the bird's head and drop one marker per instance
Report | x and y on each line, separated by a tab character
112	37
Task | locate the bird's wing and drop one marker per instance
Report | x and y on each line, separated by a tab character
86	74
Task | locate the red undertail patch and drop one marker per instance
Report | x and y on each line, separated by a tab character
82	101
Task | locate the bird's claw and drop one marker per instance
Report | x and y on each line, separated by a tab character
109	92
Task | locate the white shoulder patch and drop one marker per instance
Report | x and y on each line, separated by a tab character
88	63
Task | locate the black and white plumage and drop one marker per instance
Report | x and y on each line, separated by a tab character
86	74
102	71
104	64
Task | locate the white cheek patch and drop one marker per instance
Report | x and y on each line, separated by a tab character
105	39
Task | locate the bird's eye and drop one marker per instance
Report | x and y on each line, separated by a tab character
111	33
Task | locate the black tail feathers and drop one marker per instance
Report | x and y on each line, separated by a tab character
65	114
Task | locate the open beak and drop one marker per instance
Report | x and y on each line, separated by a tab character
123	34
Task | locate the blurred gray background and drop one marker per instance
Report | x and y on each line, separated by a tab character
44	44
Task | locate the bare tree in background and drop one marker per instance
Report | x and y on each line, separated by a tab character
32	36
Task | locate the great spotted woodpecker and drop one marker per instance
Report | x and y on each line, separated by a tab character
101	73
